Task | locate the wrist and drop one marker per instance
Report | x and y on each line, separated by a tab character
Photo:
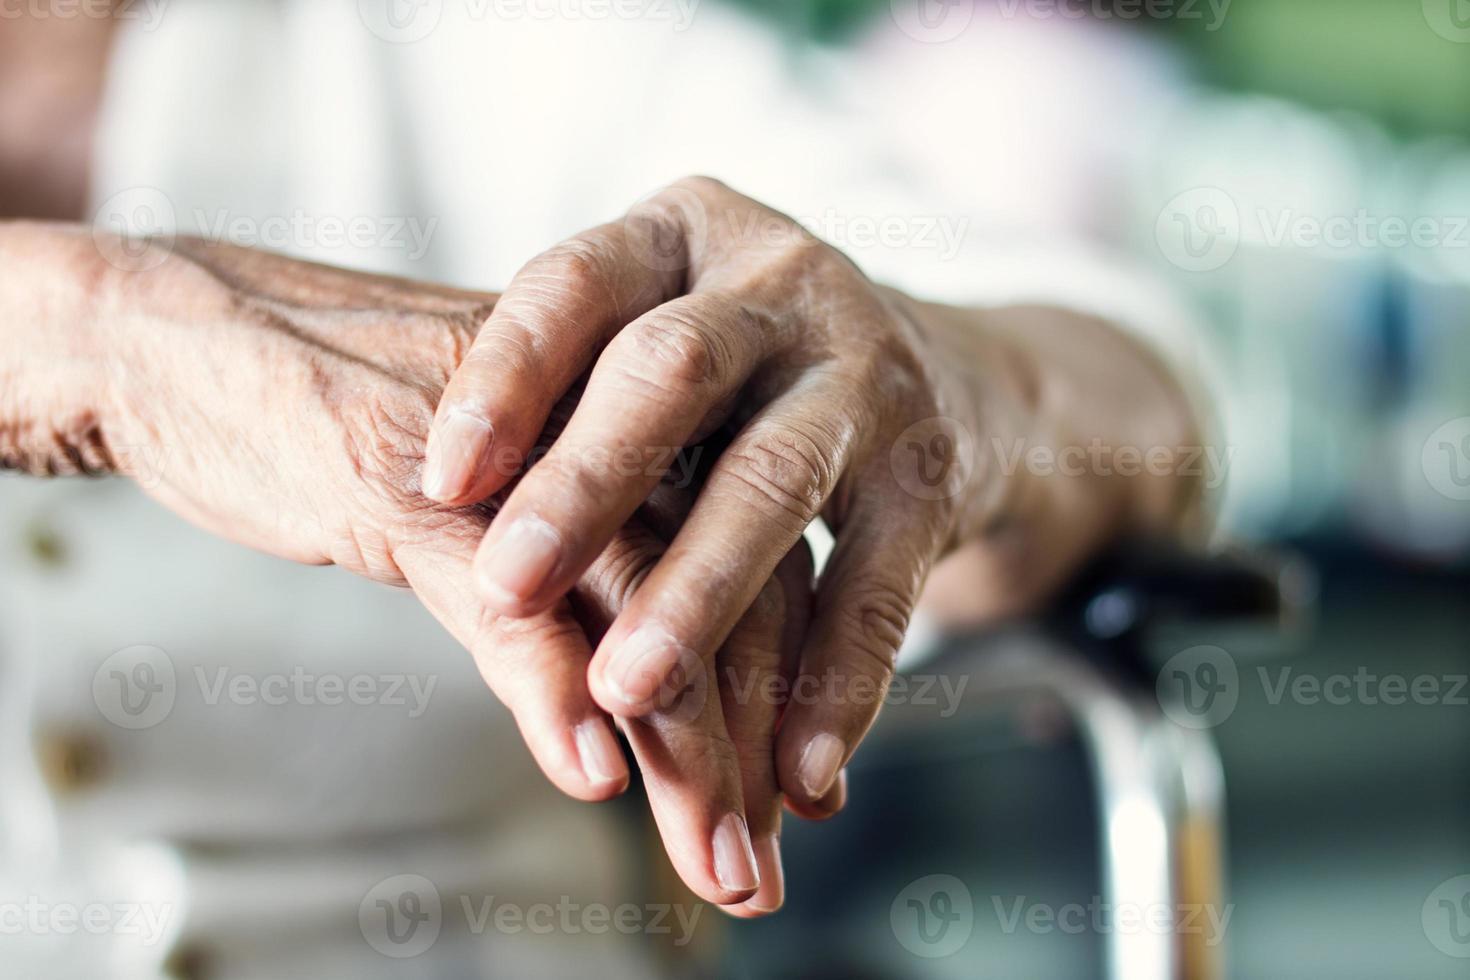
1085	435
54	390
984	387
1072	428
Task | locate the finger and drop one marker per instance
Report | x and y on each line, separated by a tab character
547	327
692	770
827	807
750	673
864	602
536	667
764	490
687	766
666	513
651	390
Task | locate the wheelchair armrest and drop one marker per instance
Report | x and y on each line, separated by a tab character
1132	592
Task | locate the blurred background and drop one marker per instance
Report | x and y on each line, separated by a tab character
1286	183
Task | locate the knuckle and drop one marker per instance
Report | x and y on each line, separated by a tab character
875	617
787	469
656	227
706	582
880	661
523	647
700	184
805	258
676	343
675	349
616	573
788	263
580	267
875	355
366	551
808	253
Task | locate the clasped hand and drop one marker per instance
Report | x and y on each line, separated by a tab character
695	384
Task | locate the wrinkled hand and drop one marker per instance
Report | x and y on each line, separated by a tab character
702	308
291	403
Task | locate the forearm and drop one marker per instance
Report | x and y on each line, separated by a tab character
53	372
1082	435
52	72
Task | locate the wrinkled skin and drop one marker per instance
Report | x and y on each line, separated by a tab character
843	400
286	406
702	307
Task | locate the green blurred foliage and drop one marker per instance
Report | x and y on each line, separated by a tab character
1380	57
821	20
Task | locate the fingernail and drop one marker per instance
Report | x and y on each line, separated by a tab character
641	664
602	757
520	562
819	763
772	892
734	859
459	447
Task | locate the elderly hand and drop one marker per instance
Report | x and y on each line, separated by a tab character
701	310
288	405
